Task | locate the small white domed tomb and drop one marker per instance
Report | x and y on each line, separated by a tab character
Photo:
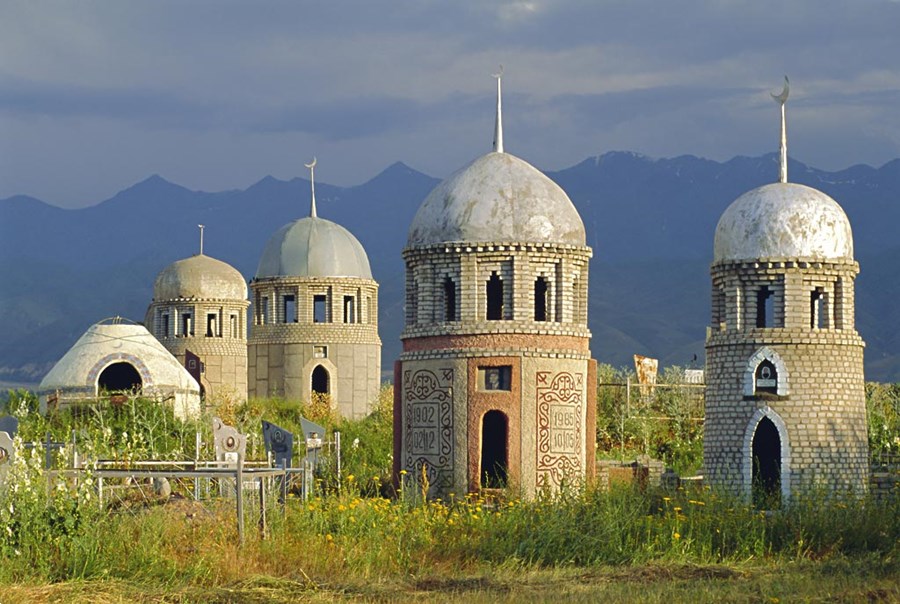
115	357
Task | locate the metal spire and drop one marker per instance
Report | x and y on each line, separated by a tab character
312	184
781	99
498	124
201	238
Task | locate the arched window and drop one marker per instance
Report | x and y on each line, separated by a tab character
494	450
449	299
494	291
320	380
120	377
540	299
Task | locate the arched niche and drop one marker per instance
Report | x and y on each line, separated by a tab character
765	358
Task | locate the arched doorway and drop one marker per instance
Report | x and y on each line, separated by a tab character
320	380
494	450
119	377
766	477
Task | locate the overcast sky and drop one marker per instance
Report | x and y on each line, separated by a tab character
214	95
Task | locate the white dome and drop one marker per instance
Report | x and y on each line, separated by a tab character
313	247
200	277
498	197
783	220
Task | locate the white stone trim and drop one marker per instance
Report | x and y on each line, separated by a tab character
747	452
765	353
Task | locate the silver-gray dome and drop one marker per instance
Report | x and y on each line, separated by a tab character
200	277
498	197
313	247
783	220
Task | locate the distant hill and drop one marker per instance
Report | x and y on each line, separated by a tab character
649	221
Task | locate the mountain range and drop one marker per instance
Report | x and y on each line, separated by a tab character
649	221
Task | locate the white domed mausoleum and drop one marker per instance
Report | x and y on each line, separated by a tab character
116	355
495	385
315	317
785	398
199	313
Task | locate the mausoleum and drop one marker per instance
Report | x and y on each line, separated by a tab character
315	317
785	399
199	313
495	385
118	356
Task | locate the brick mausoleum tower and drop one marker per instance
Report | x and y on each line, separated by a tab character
199	314
315	317
496	386
785	398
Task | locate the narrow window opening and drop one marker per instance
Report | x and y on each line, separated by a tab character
349	309
540	299
494	450
839	304
765	307
290	309
449	299
165	326
187	326
263	310
494	292
319	309
234	327
369	309
818	313
766	487
211	330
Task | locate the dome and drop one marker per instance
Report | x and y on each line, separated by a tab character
313	247
200	277
783	220
497	197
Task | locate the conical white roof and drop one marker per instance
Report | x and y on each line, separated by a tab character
112	341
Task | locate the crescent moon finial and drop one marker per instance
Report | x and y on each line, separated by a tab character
783	97
498	74
312	185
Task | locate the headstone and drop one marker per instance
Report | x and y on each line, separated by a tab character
161	487
9	424
313	435
229	443
7	454
280	443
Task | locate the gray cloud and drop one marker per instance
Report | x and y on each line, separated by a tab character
215	89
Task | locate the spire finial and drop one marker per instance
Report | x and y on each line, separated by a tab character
781	99
498	124
312	184
201	238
